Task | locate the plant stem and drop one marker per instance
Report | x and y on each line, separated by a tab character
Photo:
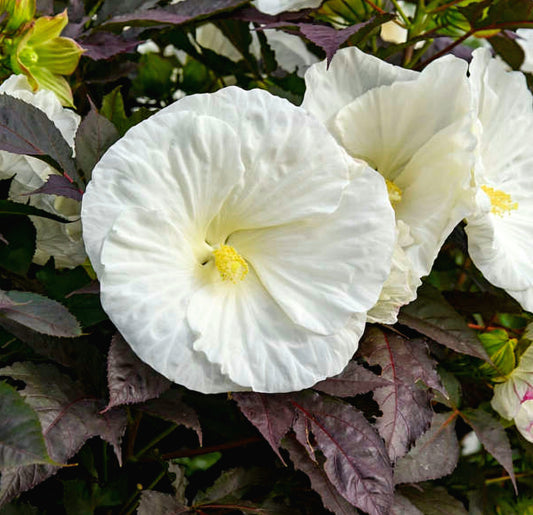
154	441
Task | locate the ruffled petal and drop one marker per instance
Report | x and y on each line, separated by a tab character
242	329
281	157
189	164
279	6
323	271
524	420
350	74
149	273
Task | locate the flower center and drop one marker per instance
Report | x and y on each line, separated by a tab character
395	193
230	264
28	56
501	202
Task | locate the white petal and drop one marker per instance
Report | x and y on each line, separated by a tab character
241	328
401	284
323	271
524	420
525	40
278	6
64	119
182	162
501	246
350	74
281	156
149	272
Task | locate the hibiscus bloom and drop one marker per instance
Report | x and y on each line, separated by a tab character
236	244
63	241
500	231
415	129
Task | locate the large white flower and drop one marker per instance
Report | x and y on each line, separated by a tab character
513	399
60	240
416	130
237	245
500	233
279	6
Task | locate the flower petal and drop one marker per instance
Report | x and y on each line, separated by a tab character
190	171
279	6
148	304
350	74
241	328
524	420
322	271
281	156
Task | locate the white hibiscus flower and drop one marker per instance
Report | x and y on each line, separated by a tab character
513	399
237	245
60	240
279	6
500	233
416	130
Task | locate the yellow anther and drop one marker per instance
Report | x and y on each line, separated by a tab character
501	202
395	193
230	264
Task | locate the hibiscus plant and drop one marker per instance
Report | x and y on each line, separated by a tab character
266	256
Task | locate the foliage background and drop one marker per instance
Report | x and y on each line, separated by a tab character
86	428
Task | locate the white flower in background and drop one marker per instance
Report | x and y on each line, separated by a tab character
500	233
525	40
513	399
416	130
279	6
237	245
63	241
292	55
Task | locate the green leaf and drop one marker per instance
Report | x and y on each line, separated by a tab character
113	110
501	349
10	208
154	78
16	256
21	438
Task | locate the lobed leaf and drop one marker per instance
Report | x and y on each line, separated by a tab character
129	379
68	419
432	316
158	503
356	459
493	437
434	501
25	129
59	185
435	454
353	380
21	438
7	207
405	407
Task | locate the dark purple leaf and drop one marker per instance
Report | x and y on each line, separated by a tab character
433	501
170	406
356	459
158	503
435	453
109	9
21	437
45	7
493	437
39	313
59	185
93	288
272	415
176	14
432	316
405	407
7	207
25	129
353	380
104	45
402	506
320	483
94	136
68	418
129	379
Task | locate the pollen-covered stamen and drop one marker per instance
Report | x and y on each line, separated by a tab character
395	193
230	264
501	202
